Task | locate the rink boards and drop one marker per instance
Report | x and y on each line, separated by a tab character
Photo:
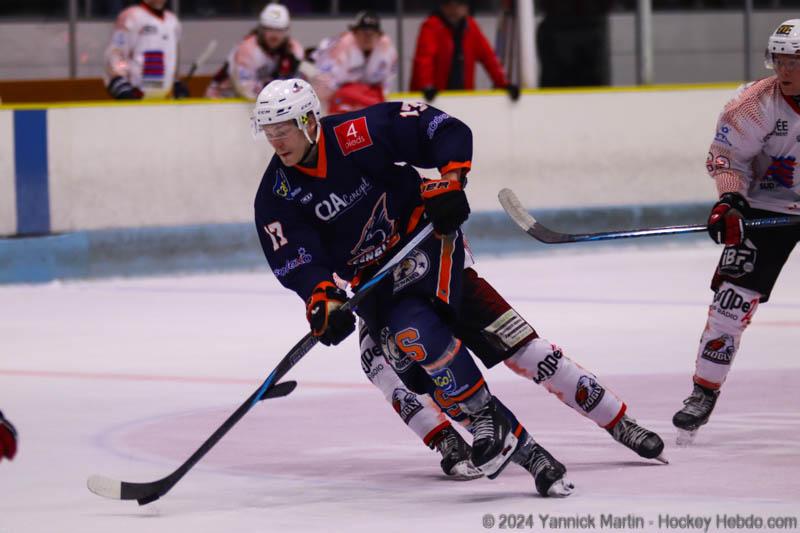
192	167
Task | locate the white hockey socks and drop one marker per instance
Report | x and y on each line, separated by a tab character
728	316
546	364
418	411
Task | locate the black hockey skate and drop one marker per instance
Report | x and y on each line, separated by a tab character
548	474
493	441
456	455
641	440
696	410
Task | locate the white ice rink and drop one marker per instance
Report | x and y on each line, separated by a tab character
127	377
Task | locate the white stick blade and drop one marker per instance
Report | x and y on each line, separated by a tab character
105	487
515	210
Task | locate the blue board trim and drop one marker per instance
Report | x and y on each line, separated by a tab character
235	246
31	172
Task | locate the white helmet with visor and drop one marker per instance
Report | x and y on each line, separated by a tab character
283	100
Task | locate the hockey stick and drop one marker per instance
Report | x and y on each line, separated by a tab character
148	492
535	229
145	493
201	59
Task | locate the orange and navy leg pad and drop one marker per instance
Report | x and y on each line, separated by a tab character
426	339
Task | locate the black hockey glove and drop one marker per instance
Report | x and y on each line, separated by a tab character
513	91
331	324
8	439
445	203
121	89
429	93
180	90
726	221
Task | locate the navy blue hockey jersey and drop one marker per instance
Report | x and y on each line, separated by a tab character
363	197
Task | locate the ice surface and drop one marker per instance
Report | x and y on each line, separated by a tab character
125	378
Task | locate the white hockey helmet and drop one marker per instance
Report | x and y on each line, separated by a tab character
274	17
283	100
784	40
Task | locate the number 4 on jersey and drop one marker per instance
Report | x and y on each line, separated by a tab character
275	232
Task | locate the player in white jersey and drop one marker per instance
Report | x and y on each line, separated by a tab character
753	160
142	59
267	53
356	68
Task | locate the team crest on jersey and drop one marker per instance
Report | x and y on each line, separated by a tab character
780	173
410	270
353	135
377	237
720	350
282	186
589	393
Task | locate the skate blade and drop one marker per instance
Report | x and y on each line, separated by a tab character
685	437
465	471
561	488
495	466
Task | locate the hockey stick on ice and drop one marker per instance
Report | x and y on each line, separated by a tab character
535	229
148	492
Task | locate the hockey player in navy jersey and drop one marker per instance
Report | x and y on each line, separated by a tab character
338	196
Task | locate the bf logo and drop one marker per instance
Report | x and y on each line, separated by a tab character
737	262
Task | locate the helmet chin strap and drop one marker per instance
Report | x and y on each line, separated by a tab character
310	151
302	123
